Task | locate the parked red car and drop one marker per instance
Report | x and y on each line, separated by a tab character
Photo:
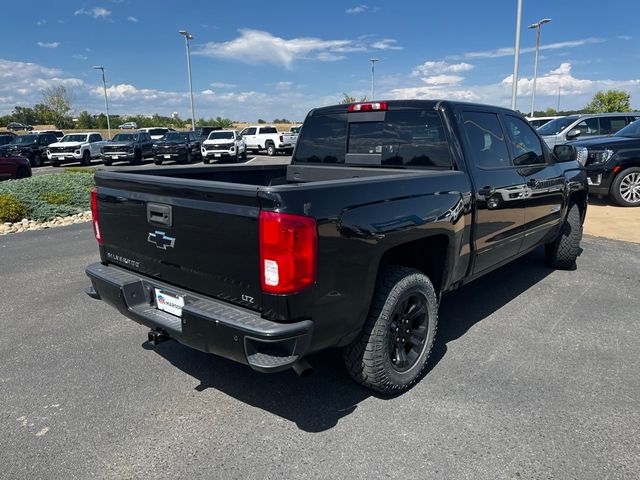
14	167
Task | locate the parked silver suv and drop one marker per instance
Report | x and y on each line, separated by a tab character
564	129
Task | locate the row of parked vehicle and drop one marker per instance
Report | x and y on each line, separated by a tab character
163	144
608	144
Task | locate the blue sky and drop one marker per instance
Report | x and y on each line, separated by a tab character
279	59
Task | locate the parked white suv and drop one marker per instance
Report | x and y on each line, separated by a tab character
267	138
128	126
224	144
75	147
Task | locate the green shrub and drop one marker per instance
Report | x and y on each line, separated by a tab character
90	170
11	210
52	195
56	198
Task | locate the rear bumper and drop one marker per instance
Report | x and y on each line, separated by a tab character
206	324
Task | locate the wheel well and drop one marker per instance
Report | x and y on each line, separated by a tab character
268	142
580	199
429	255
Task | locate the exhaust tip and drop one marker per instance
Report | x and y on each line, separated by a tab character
302	368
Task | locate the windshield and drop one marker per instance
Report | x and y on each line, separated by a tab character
125	137
631	131
554	127
74	138
5	139
221	135
175	137
25	139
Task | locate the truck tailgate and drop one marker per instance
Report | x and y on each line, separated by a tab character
198	235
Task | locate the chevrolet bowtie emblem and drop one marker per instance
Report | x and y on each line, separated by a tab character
161	240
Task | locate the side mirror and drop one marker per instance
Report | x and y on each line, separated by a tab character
569	153
575	133
564	153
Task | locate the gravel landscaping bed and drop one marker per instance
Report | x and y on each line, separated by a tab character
25	224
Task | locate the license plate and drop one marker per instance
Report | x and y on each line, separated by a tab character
217	155
168	302
114	157
167	156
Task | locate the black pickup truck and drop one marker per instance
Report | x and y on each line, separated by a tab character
130	147
385	207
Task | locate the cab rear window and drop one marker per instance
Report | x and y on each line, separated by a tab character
407	138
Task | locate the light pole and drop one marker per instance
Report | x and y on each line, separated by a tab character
106	102
373	77
516	58
187	36
536	26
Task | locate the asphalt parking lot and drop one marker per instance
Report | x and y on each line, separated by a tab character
534	375
148	163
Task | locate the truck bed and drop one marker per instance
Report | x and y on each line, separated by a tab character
212	237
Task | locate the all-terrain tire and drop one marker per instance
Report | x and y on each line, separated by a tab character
86	158
372	358
564	250
271	149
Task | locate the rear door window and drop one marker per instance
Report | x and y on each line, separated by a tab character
486	140
610	125
268	130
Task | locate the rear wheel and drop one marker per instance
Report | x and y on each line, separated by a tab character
205	160
157	162
55	164
626	188
244	154
86	158
189	157
271	149
107	162
564	250
392	350
137	157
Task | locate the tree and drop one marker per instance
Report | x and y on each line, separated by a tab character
222	122
23	115
85	120
550	112
346	98
281	120
610	101
261	121
60	101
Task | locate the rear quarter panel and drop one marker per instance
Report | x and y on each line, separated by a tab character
358	221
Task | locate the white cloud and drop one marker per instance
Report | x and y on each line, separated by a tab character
443	80
256	46
507	51
132	19
22	82
624	37
222	85
49	44
575	92
79	56
386	44
361	9
281	85
438	67
39	23
95	12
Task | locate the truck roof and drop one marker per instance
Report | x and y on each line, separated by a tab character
400	104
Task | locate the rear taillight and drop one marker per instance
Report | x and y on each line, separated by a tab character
288	252
281	138
367	107
94	215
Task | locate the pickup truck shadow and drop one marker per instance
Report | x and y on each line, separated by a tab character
318	402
